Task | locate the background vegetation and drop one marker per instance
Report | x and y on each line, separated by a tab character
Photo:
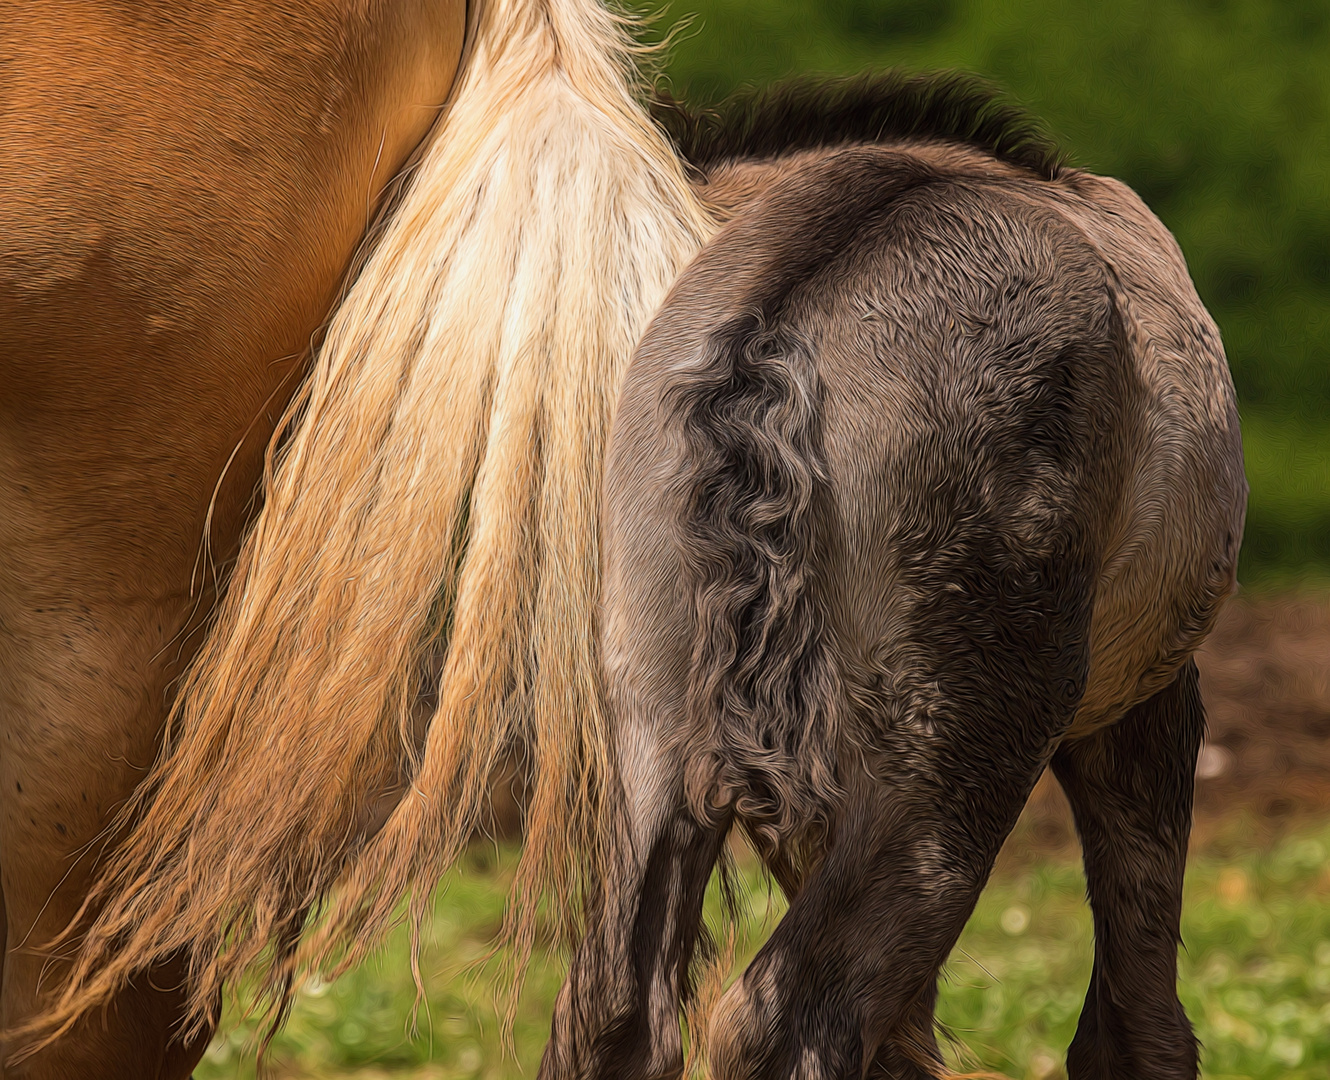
1216	111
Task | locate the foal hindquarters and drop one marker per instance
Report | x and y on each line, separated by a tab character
864	471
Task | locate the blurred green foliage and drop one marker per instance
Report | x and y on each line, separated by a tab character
1216	111
1254	975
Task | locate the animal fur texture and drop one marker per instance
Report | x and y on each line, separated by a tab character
432	509
885	533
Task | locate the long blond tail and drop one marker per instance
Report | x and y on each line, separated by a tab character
438	494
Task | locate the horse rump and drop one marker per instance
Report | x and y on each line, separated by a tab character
856	500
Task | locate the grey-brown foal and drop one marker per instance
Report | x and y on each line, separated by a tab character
926	476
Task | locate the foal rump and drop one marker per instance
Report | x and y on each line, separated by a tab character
886	398
882	524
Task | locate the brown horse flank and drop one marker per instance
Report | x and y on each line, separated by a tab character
926	475
182	207
185	186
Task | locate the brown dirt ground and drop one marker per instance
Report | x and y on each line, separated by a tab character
1265	766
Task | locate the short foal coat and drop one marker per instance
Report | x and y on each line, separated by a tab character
927	475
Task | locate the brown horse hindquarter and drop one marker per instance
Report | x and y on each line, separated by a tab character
875	477
185	185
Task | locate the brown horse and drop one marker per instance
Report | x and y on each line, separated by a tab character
185	187
926	475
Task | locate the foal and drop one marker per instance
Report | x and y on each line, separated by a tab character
927	475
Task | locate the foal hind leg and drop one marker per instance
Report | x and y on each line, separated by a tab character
617	1016
911	1052
835	989
1130	787
838	986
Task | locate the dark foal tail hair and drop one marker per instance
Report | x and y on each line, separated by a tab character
763	686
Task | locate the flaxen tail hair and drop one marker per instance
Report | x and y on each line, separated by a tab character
437	495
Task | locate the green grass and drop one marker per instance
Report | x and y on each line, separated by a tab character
1255	979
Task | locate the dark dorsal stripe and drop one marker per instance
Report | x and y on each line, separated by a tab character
811	114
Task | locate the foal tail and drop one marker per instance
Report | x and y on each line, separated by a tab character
763	685
757	506
436	506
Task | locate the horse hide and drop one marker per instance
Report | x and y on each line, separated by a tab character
436	495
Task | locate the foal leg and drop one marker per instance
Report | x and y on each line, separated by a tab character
986	679
847	975
617	1015
1130	786
911	1051
831	992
